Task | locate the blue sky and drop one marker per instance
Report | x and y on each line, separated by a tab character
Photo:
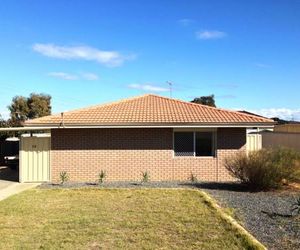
82	53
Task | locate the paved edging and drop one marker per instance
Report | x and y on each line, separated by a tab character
248	236
15	188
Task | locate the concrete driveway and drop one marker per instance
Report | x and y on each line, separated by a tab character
9	185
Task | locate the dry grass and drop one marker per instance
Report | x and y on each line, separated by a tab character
114	218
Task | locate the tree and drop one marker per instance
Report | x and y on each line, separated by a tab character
3	124
39	105
24	108
205	100
18	110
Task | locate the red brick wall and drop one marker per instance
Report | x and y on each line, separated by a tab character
125	153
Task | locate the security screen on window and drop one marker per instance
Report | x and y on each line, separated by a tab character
184	144
204	144
193	144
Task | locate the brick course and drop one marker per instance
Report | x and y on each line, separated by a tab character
125	153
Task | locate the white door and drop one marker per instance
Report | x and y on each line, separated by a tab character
35	159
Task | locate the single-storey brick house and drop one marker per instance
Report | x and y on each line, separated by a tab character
168	138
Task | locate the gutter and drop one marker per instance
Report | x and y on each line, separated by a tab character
70	126
149	125
25	128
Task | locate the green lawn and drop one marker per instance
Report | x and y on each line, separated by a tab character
114	219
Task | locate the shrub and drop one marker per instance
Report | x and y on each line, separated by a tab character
64	177
145	177
193	178
101	177
265	169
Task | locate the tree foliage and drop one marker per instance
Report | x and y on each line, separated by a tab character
18	109
24	108
205	100
39	105
3	124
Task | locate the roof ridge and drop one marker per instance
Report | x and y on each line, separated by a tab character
155	98
209	107
92	107
109	103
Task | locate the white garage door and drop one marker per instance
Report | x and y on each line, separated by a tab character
35	159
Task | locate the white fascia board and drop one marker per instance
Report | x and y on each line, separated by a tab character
25	128
141	126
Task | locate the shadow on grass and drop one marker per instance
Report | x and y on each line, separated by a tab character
226	186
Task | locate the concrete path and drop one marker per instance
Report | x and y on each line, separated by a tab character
8	188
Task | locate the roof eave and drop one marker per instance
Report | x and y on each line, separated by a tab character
152	125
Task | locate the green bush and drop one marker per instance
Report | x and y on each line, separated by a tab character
101	177
64	177
145	177
265	169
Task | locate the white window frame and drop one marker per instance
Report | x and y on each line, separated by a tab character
214	142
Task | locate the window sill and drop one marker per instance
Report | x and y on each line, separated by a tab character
195	157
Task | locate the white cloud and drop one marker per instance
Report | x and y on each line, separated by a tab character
210	34
107	58
89	76
283	113
71	77
64	76
148	87
185	21
262	65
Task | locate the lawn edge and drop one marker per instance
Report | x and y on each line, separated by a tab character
240	229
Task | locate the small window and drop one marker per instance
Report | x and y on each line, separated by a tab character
184	144
204	144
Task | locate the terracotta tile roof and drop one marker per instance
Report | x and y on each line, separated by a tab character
149	110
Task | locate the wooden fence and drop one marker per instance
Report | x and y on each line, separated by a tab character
287	128
291	140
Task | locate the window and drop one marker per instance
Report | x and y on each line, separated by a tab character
184	144
194	144
204	144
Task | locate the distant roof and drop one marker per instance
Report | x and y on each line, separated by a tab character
149	110
250	113
281	121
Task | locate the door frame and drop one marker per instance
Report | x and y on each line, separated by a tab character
45	135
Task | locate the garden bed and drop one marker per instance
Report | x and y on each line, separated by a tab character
267	215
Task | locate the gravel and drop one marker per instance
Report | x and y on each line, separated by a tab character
266	215
117	184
